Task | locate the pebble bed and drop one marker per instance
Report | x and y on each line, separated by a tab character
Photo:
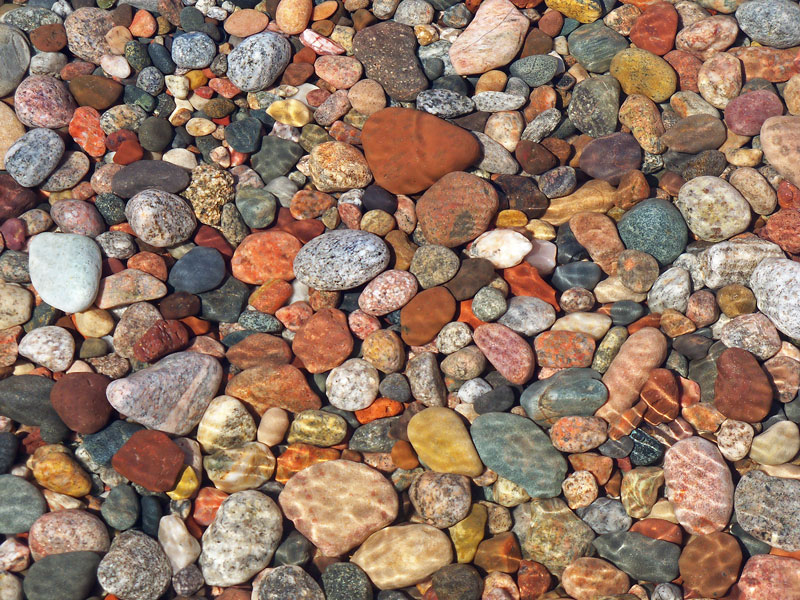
399	300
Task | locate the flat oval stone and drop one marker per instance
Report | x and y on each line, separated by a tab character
570	392
742	390
443	443
610	157
22	504
768	509
341	260
746	113
70	576
656	227
768	576
508	352
241	539
266	386
159	218
595	45
32	157
710	563
365	502
771	23
136	177
779	140
641	557
401	556
43	101
407	152
699	485
256	62
586	578
80	400
265	255
171	395
16	57
423	317
515	448
135	567
63	531
324	341
73	261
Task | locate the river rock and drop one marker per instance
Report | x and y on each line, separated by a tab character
257	61
65	270
768	508
33	156
775	283
135	567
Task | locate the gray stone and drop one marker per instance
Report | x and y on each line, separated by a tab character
135	567
256	63
21	503
15	56
34	156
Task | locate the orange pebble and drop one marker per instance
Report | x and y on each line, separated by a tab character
465	314
381	408
198	326
149	263
524	280
403	455
143	24
206	504
651	320
270	296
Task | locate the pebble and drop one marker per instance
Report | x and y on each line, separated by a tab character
77	261
135	567
256	62
714	210
32	157
341	260
775	524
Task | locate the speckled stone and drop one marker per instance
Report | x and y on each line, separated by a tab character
768	508
341	260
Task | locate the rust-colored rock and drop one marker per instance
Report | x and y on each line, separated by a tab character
263	387
655	29
324	341
709	564
259	349
265	255
499	553
410	150
662	396
163	337
423	318
150	459
742	390
80	401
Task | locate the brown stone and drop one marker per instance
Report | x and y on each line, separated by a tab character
265	255
14	199
611	156
95	91
659	529
49	38
687	67
422	319
662	396
409	150
324	341
263	387
162	338
456	209
709	564
179	305
589	578
499	553
695	133
80	401
598	234
150	459
655	29
536	42
742	390
534	158
259	349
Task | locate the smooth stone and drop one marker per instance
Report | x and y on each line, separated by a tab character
443	443
160	218
199	270
767	508
594	106
595	45
65	270
121	507
68	576
401	556
570	392
26	399
135	567
767	576
341	260
22	504
775	282
506	444
780	144
773	23
178	389
256	63
32	157
144	174
639	556
15	56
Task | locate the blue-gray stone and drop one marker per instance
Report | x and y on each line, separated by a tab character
257	207
66	576
657	227
535	70
639	556
104	444
594	106
276	157
121	508
199	270
594	45
605	515
515	448
21	503
374	436
244	135
26	399
582	274
774	23
8	450
571	392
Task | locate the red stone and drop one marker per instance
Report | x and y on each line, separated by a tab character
563	349
499	553
294	316
767	63
687	67
14	232
709	564
659	529
788	195
49	38
533	578
265	255
206	505
508	352
259	349
662	396
128	152
80	401
746	114
297	457
324	341
263	387
655	29
163	337
742	390
150	459
14	199
783	228
310	204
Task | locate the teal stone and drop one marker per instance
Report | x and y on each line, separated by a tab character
594	46
535	70
21	503
641	557
151	515
224	304
244	135
569	26
121	508
515	448
103	445
135	96
276	157
66	576
259	321
655	226
583	274
571	392
594	106
257	207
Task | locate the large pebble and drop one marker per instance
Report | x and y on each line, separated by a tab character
714	210
135	567
33	156
776	283
159	218
768	508
65	270
256	62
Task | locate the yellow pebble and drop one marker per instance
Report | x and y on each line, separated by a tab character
55	469
290	112
196	79
511	218
198	127
187	485
94	322
584	11
56	196
468	533
541	230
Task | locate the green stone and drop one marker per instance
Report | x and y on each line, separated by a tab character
571	392
276	157
21	503
657	227
639	556
43	315
136	55
594	46
135	96
257	207
66	576
535	70
313	135
225	303
594	106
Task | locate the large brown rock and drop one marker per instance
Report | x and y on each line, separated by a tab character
263	387
456	209
410	150
80	401
14	199
422	319
742	391
324	341
95	91
259	349
150	459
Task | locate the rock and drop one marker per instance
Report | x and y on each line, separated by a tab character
695	473
341	260
714	210
160	218
256	63
43	101
710	563
766	508
86	30
326	329
264	256
16	57
407	152
594	106
76	259
639	556
771	23
353	385
492	39
583	11
388	52
774	282
655	29
68	576
594	46
506	444
440	499
135	567
781	149
26	399
768	575
121	507
144	174
178	389
366	503
22	504
641	72
442	442
286	581
456	209
180	547
746	113
34	156
225	424
401	556
80	401
150	459
338	167
241	540
264	386
509	353
738	371
586	578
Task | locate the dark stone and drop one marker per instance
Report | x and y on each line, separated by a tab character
199	270
151	515
102	445
225	303
111	207
625	312
569	250
121	508
577	274
692	345
377	198
179	305
500	399
145	174
641	557
67	576
473	274
244	135
294	550
347	581
373	437
21	503
522	193
161	58
457	582
275	158
26	399
396	387
8	450
646	449
155	134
